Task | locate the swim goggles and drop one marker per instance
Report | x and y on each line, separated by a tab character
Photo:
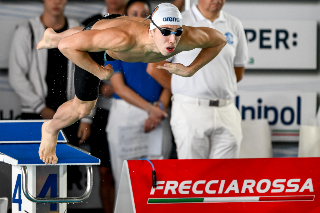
166	32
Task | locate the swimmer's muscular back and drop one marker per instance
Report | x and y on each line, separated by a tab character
124	38
192	37
128	40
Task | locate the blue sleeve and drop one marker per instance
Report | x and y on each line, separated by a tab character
117	67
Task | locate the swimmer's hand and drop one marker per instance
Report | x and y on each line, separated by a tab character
178	69
105	72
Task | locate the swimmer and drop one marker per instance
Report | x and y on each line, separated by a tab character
158	38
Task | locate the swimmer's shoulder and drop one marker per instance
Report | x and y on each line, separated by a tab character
195	37
121	22
121	31
133	21
117	38
191	32
189	38
132	27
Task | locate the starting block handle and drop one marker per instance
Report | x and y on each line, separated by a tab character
57	199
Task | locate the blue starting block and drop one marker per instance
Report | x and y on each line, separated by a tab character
19	145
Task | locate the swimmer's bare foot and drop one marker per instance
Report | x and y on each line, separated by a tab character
47	42
47	149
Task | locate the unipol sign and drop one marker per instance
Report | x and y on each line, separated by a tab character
285	111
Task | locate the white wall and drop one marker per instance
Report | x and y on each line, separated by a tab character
275	80
14	13
254	80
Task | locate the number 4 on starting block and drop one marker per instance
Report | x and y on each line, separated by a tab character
19	202
16	198
223	185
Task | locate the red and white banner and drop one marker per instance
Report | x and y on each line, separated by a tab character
222	185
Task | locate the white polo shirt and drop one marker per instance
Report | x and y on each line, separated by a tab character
216	80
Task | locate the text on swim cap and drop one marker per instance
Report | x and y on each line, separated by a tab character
171	19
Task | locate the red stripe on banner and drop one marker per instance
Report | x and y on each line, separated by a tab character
284	134
288	198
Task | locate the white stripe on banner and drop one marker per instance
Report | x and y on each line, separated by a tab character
232	199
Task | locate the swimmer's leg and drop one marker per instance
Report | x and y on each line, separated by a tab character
67	114
51	39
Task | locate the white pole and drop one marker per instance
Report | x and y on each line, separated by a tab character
187	4
62	187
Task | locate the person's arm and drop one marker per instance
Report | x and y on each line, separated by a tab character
239	73
84	131
76	46
127	94
106	89
165	98
163	103
20	58
47	113
161	76
211	41
178	3
241	57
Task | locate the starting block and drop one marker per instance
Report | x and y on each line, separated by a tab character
261	185
19	145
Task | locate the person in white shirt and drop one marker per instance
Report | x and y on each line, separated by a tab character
205	121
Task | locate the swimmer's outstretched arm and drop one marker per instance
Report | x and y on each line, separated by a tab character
211	41
76	46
